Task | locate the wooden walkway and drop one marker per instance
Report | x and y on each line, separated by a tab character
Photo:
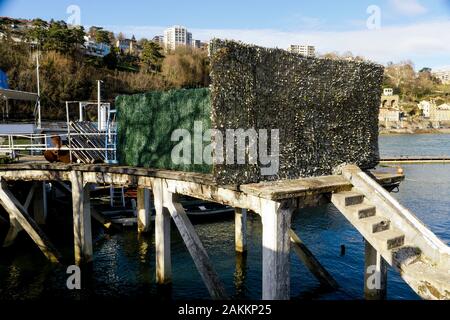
275	202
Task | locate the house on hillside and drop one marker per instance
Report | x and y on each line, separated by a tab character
127	45
96	49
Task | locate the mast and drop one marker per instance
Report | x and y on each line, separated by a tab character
38	90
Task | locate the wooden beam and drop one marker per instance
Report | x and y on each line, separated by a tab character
276	221
162	236
194	246
240	227
310	261
375	275
30	196
40	203
17	211
81	219
14	225
13	232
143	210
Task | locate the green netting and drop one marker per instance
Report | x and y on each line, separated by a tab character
146	123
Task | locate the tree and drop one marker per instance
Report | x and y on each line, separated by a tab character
102	36
151	56
186	68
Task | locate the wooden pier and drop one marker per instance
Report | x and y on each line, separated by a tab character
409	247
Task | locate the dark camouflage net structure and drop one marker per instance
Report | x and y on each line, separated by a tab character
326	112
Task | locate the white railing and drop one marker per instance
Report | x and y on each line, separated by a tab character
35	144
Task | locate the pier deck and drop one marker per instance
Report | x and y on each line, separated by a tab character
274	201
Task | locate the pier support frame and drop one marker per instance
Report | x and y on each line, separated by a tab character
19	215
82	231
276	221
143	210
375	274
194	245
162	235
240	223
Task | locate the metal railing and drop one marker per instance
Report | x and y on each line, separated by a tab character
36	144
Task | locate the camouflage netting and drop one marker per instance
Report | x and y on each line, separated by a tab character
326	111
146	122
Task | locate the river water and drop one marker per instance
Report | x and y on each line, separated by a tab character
124	263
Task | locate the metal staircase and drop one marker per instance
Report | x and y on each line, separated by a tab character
404	242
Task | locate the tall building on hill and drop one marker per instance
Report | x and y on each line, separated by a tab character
304	50
443	75
177	36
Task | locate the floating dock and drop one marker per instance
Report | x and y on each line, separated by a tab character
393	236
415	159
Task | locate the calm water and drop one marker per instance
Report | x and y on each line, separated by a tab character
124	263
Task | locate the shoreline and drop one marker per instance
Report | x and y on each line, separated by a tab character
413	131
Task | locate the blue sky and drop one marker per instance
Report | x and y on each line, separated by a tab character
409	29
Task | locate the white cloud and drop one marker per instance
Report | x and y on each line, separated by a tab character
424	42
408	7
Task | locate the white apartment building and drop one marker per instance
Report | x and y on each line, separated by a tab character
304	50
93	48
425	107
388	92
177	36
443	75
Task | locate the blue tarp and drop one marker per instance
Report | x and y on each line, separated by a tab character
3	80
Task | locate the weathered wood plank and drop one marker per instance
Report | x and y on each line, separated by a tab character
194	246
81	219
310	261
162	236
298	188
276	221
16	210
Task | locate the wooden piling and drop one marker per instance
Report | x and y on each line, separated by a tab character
81	219
276	221
375	275
162	236
143	210
40	203
240	224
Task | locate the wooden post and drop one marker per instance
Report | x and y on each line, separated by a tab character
18	212
240	225
40	203
143	210
375	275
81	219
310	261
276	221
162	236
194	246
